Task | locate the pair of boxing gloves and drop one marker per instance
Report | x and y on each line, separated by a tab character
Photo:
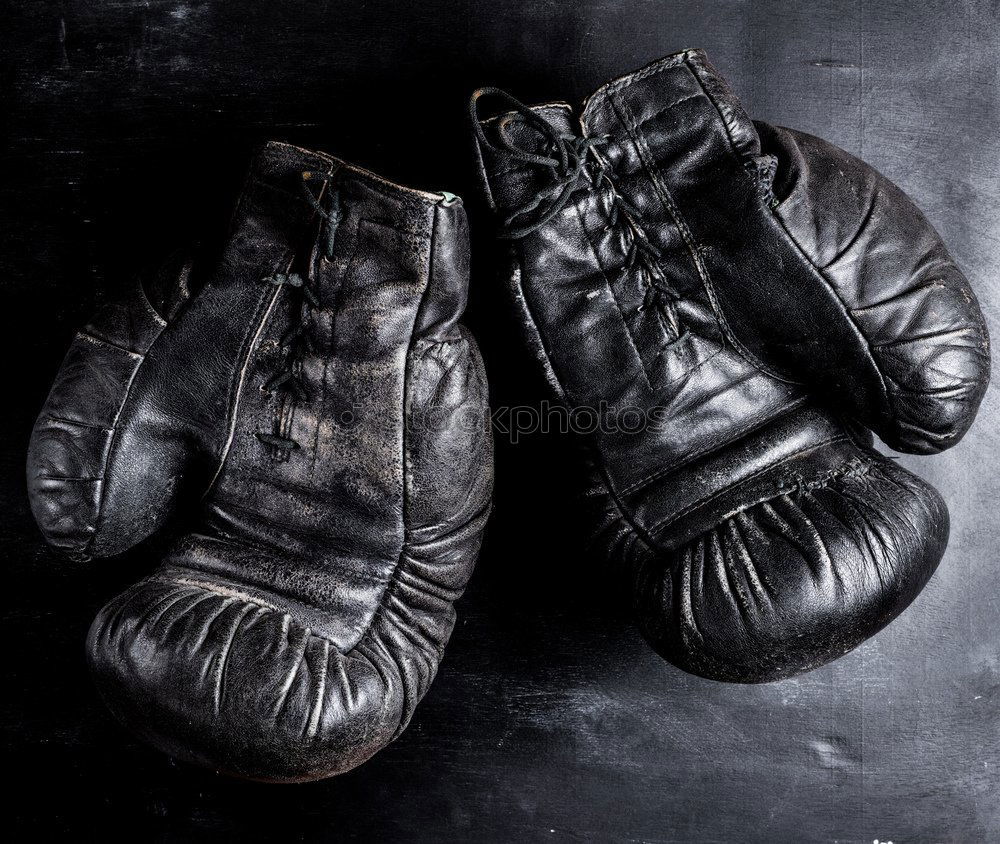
762	299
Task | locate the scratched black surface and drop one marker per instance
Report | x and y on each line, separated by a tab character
126	128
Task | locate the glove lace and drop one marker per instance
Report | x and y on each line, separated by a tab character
572	163
287	378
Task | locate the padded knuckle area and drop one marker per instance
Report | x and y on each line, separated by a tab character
797	580
219	680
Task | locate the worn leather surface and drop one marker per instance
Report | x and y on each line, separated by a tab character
290	631
796	300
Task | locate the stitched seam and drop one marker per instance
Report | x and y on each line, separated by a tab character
239	376
626	513
740	158
387	189
69	479
374	182
97	341
227	592
660	66
743	430
149	305
222	592
717	348
77	423
658	526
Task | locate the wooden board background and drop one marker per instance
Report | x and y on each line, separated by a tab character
126	127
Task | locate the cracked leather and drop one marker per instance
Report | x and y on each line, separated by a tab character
291	630
799	300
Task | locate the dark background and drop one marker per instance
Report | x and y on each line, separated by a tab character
127	127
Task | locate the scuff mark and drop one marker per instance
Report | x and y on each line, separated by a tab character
834	63
63	55
833	753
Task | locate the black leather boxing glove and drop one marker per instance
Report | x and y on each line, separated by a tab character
762	300
320	396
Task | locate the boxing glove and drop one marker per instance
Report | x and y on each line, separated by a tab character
741	305
319	398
